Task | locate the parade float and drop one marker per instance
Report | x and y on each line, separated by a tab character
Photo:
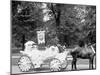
33	57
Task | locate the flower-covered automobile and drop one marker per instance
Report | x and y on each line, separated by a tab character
33	58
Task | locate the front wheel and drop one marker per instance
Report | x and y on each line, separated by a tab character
24	63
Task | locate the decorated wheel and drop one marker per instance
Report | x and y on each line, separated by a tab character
55	65
64	65
24	63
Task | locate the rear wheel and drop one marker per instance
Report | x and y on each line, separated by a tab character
24	63
55	65
64	65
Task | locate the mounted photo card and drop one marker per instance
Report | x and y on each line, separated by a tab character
52	37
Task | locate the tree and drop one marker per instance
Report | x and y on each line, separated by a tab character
73	22
26	17
66	23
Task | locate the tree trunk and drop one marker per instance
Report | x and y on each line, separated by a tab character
58	18
23	41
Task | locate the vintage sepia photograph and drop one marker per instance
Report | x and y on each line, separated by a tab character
52	37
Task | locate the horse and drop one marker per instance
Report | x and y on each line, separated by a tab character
86	52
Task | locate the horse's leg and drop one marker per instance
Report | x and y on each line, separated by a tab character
74	64
75	60
90	63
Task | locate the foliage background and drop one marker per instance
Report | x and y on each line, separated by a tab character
67	23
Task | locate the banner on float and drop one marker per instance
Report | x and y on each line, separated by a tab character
41	37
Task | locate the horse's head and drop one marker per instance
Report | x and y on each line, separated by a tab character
92	48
